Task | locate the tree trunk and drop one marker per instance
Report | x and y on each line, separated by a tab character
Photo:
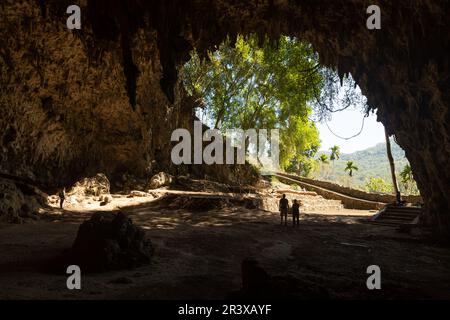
392	165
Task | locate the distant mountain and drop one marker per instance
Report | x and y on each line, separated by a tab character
372	162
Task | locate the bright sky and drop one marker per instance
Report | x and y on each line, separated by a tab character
348	123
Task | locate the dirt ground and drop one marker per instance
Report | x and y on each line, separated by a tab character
198	255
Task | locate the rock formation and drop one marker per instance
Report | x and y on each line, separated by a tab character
94	186
106	98
19	201
159	180
107	242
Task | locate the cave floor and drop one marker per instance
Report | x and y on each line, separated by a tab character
198	255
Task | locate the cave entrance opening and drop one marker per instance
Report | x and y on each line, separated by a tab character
248	84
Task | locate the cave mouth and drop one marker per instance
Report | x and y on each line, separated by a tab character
243	82
401	70
400	65
93	110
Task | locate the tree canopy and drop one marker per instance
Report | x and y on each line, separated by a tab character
246	85
335	153
265	85
350	167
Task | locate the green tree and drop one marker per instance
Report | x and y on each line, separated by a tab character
378	185
323	165
308	167
304	164
350	167
406	174
246	85
335	153
408	181
323	159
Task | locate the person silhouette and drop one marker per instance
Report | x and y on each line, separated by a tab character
295	213
284	209
62	197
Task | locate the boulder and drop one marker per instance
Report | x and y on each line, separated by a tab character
93	186
159	180
18	201
137	194
11	201
107	241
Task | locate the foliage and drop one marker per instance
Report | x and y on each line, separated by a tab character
261	87
350	167
274	179
408	184
335	153
338	92
323	159
376	184
306	167
406	174
372	162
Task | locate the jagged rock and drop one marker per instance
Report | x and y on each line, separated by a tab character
29	208
139	194
263	184
183	180
18	201
252	204
160	180
11	201
108	242
53	199
130	183
94	186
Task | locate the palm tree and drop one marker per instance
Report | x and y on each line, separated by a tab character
392	165
350	168
335	153
323	159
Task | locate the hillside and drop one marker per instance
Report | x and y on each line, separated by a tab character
372	162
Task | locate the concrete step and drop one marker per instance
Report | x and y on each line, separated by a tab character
397	215
403	212
400	214
386	223
395	221
404	209
389	217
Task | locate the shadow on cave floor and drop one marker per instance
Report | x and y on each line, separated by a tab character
198	255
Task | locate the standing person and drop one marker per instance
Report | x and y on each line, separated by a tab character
284	209
62	197
296	214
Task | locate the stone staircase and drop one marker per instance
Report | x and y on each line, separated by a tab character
394	215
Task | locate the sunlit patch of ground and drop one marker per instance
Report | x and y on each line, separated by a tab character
198	254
